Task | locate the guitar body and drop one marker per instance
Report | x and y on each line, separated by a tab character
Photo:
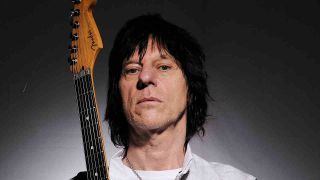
84	49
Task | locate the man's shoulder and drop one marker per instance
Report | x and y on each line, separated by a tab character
218	170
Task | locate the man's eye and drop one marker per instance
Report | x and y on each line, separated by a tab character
164	68
131	71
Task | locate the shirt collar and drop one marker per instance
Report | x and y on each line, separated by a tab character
188	158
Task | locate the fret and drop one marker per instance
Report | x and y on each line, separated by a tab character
96	156
87	128
88	132
86	104
96	164
89	114
94	161
80	82
90	92
85	111
98	173
85	94
94	152
90	126
93	143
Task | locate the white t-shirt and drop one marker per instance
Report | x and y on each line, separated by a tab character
194	168
119	171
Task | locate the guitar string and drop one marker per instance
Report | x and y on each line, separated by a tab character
87	128
97	148
102	163
81	117
86	114
101	158
81	110
91	112
86	124
81	105
91	125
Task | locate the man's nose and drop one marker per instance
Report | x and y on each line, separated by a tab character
147	77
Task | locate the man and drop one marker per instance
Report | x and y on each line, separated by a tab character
157	101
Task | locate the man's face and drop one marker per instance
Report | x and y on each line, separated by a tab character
154	91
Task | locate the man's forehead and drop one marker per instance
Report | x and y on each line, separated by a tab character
152	53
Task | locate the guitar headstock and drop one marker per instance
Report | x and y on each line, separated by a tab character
86	41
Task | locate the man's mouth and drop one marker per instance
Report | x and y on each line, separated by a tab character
148	99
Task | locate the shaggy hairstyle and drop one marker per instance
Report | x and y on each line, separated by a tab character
179	44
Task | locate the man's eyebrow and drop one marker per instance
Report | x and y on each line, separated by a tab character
167	56
164	56
130	61
135	61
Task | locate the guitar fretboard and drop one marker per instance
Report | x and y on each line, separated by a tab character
90	127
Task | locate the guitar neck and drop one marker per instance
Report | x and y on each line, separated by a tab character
97	168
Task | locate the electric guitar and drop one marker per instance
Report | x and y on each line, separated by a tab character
85	46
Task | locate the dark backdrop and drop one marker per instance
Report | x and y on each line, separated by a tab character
263	65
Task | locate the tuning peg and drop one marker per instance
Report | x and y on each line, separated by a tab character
76	1
75	12
72	61
75	24
73	49
74	36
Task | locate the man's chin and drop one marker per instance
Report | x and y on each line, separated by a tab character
149	114
152	124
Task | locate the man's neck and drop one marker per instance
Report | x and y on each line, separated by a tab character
160	151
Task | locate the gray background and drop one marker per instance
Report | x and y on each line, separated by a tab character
263	65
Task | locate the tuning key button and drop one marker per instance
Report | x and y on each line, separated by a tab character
73	49
74	36
76	24
76	1
72	61
75	12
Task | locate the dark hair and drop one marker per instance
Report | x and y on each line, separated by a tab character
178	43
